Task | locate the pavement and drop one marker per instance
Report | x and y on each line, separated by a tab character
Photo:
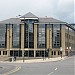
36	60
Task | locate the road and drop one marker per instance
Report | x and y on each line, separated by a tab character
63	67
4	68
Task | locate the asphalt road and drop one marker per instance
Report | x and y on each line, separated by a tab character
6	68
64	67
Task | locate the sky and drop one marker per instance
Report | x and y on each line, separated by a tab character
59	9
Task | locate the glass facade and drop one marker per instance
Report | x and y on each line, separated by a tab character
3	36
56	35
16	42
29	34
41	36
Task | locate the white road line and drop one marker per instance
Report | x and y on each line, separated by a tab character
50	73
56	68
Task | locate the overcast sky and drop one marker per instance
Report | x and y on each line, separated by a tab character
59	9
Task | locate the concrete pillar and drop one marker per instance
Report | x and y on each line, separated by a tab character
48	38
22	36
10	38
35	39
63	40
8	52
50	33
35	36
56	53
1	53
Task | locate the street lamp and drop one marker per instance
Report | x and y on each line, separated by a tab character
61	51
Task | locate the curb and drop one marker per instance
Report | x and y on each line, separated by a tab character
39	61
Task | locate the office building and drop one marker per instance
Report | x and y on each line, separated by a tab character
31	36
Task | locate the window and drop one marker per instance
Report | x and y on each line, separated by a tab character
29	34
41	36
58	52
4	52
54	52
0	52
3	36
16	36
56	34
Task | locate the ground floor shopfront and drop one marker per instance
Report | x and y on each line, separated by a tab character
35	53
31	53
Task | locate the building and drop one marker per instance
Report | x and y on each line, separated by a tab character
31	36
72	25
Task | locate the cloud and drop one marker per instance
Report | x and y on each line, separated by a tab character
65	10
59	9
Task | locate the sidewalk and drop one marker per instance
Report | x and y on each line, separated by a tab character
36	60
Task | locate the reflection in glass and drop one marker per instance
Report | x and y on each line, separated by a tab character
56	40
16	36
41	36
2	36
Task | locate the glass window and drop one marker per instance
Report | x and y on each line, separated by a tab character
0	52
3	36
58	52
16	36
41	36
29	34
54	52
56	34
4	52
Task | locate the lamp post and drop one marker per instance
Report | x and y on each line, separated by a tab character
61	51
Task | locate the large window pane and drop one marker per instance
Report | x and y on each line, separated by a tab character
16	36
3	36
41	36
29	34
56	38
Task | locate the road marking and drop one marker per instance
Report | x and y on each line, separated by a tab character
53	72
56	69
50	73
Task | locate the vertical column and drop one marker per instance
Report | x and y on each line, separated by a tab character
63	39
22	36
10	37
56	53
50	33
35	39
1	53
48	38
8	48
35	36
